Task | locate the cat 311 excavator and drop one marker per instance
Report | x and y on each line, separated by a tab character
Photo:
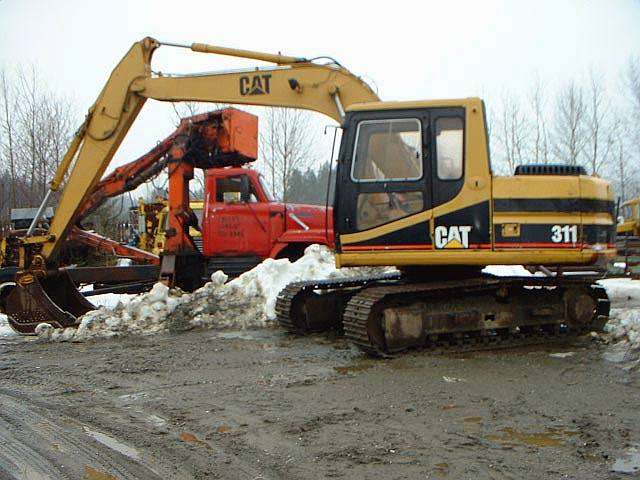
414	189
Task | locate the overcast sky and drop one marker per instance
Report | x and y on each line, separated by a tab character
408	50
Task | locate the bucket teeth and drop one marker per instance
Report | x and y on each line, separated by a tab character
53	299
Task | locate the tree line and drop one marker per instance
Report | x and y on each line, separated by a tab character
36	126
583	122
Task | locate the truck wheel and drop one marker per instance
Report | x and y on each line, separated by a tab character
293	252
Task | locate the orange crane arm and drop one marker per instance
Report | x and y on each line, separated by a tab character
227	137
92	239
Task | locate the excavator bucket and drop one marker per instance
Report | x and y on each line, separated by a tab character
53	299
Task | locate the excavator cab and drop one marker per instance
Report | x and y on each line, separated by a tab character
401	166
415	189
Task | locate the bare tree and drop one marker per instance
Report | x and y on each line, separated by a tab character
7	142
571	135
35	127
633	83
511	131
539	141
632	125
621	169
286	145
600	125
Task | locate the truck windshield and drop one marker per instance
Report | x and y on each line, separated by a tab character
265	187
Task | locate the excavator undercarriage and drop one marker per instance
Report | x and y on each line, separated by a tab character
392	313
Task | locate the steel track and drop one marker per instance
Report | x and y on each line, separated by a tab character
365	298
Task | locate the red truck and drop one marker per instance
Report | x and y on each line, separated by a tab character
242	224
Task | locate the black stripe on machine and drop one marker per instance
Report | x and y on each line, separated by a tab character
565	205
414	234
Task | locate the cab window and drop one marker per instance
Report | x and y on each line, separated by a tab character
387	150
267	192
229	190
376	209
449	147
627	213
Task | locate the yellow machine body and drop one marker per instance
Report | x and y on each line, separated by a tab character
630	213
552	219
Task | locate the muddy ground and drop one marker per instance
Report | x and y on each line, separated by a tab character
264	405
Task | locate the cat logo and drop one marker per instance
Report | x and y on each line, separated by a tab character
255	85
454	236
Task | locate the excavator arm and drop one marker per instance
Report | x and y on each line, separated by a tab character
295	82
42	293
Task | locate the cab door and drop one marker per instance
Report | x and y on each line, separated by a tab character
459	221
236	223
384	190
408	180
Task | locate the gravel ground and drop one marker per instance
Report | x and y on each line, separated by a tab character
260	404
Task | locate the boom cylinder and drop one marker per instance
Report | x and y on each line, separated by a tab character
236	52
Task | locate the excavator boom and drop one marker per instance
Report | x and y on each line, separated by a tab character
295	82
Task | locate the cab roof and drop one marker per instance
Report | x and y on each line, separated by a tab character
406	105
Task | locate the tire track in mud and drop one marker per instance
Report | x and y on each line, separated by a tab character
39	440
39	443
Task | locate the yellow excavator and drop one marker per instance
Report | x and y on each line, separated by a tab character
414	189
628	240
629	224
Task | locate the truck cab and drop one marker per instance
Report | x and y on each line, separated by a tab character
242	224
629	224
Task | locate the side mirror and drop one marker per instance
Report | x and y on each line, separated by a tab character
245	189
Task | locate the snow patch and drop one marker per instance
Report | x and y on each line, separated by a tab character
507	271
5	328
624	320
271	276
248	301
110	300
623	292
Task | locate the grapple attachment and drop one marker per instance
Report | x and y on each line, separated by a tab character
53	299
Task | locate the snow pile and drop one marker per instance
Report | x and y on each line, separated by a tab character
507	271
110	300
247	301
623	292
271	276
5	329
624	320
